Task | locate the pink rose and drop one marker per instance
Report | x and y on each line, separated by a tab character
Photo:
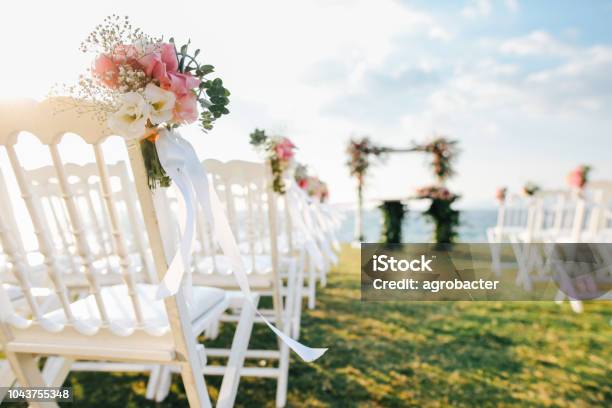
284	149
159	61
576	178
106	71
444	194
186	109
180	83
500	194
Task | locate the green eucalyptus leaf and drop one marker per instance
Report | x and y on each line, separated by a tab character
206	69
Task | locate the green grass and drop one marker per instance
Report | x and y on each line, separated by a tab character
430	354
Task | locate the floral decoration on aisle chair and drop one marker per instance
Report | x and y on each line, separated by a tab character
579	177
530	189
144	88
313	186
279	151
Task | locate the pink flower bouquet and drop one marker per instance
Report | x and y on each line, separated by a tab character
139	84
578	177
279	151
500	194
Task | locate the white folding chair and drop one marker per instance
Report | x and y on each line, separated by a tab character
121	322
85	185
317	235
252	209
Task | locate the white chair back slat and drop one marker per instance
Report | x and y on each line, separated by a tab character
62	228
7	209
101	224
207	242
251	225
134	217
16	257
229	204
86	257
288	225
86	186
261	220
501	216
53	269
274	250
117	235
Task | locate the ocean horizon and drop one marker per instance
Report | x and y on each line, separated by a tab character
416	228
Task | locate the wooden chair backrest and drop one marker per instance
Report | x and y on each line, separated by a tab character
49	121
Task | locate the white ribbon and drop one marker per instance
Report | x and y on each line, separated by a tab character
181	163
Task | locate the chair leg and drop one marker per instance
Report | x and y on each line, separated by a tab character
495	249
56	370
7	378
283	376
26	370
153	382
290	294
240	343
522	254
297	312
195	387
323	272
164	383
576	305
213	332
312	285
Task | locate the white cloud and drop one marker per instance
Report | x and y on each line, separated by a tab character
439	33
536	43
512	5
477	8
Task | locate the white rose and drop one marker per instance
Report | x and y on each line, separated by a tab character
161	102
131	118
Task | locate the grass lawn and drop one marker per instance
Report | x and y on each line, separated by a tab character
399	354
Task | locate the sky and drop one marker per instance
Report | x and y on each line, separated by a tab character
524	86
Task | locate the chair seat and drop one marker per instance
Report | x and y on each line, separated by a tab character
14	292
120	311
221	264
219	273
109	271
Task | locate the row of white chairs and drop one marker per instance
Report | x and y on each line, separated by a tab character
531	225
83	296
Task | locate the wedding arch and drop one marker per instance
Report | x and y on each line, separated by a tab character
443	153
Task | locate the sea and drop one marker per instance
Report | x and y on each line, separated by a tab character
416	228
